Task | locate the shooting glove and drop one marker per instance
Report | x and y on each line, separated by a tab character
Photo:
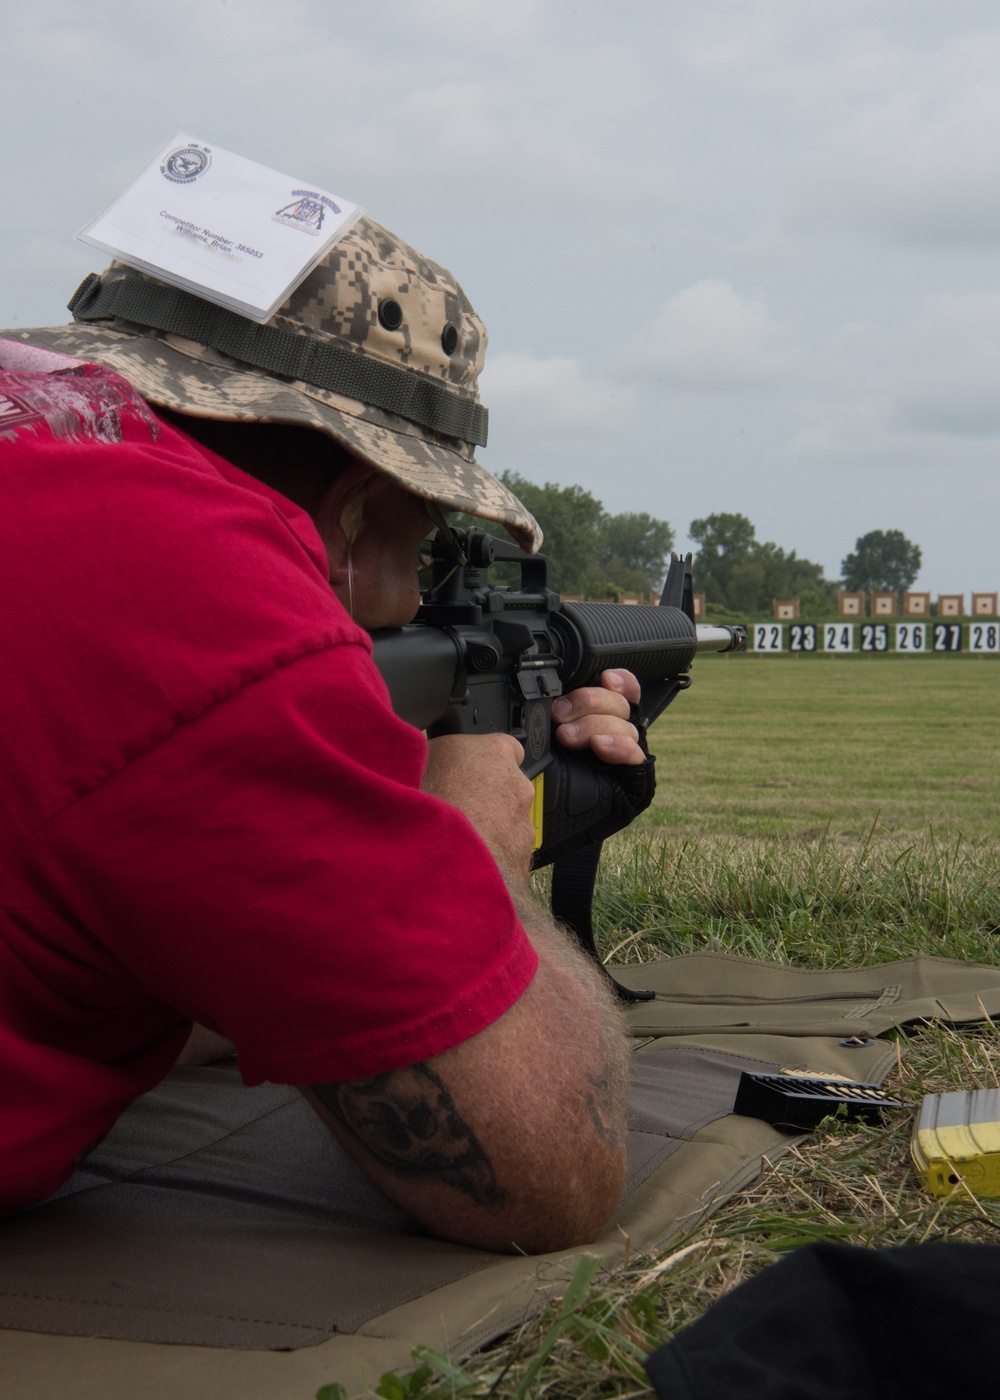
587	800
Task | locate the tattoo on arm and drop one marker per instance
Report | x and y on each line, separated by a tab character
408	1121
600	1101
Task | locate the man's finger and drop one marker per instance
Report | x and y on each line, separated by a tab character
613	740
617	749
624	683
590	700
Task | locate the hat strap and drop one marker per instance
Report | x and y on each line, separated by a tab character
322	363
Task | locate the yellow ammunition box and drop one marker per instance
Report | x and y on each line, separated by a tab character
956	1142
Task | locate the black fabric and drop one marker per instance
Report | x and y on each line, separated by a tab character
837	1322
587	800
574	876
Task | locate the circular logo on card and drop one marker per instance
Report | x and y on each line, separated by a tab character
184	165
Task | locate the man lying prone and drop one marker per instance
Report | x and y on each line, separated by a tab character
210	813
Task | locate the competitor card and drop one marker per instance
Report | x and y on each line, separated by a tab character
221	226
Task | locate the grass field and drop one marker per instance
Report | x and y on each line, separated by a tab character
796	746
822	812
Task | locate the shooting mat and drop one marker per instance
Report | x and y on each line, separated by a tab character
161	1276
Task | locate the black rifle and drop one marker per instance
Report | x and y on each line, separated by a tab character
482	658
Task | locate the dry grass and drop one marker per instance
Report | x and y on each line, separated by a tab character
817	903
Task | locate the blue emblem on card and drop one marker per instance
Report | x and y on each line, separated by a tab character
307	212
186	163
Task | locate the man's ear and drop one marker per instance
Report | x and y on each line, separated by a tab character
340	515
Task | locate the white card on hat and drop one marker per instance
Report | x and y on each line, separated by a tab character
221	226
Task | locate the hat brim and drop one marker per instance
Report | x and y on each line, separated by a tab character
196	380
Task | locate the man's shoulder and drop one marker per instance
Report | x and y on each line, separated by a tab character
140	585
46	397
74	431
78	441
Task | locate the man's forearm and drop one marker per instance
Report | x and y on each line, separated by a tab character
598	1039
514	1139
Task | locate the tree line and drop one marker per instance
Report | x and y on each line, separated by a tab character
590	551
595	553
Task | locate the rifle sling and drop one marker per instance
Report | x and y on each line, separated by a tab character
574	875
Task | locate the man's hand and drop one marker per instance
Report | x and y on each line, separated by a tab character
597	717
480	774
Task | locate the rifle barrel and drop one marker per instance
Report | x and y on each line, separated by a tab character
721	638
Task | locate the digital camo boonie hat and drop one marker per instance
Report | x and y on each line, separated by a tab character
378	347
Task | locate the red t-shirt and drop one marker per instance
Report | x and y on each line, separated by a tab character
207	809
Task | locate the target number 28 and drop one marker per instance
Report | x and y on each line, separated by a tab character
984	636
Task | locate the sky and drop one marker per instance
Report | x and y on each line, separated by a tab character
732	256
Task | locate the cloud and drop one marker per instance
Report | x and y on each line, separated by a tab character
52	268
724	41
710	337
554	403
953	387
917	163
458	21
530	158
921	391
445	106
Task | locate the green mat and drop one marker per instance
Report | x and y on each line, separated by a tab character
142	1288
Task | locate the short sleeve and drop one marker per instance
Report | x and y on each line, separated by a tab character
271	869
